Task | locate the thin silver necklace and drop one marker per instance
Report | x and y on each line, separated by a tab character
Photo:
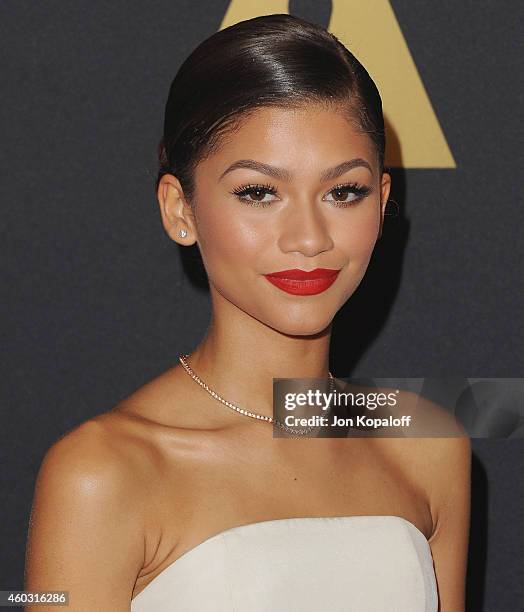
253	415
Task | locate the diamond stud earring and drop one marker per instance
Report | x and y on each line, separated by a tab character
182	233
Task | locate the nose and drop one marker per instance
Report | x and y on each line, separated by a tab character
304	230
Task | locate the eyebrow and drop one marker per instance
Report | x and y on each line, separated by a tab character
284	175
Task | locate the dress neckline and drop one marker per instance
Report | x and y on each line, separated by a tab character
285	520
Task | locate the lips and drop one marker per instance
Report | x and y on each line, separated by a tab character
301	282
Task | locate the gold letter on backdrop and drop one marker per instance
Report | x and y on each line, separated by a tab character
370	30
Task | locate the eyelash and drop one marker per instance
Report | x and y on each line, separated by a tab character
361	192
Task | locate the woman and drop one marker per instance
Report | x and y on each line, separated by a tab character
272	161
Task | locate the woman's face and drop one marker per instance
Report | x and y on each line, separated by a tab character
290	189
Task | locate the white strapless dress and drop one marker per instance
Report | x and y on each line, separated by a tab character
304	564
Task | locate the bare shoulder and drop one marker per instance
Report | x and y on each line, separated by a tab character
427	418
436	452
107	447
441	467
86	529
444	466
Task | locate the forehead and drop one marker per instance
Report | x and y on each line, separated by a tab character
306	136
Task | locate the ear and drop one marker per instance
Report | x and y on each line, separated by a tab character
385	187
177	215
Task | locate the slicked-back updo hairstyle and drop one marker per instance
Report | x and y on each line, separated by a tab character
274	60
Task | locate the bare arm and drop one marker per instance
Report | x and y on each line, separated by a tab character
450	459
86	532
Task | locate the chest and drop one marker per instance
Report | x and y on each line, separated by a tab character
229	481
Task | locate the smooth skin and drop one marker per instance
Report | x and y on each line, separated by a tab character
125	494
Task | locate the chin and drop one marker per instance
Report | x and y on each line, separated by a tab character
305	327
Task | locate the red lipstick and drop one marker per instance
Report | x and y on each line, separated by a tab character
300	282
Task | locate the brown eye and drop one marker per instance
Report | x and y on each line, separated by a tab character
340	194
256	195
348	194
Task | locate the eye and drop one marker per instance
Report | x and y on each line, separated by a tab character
255	195
260	196
348	194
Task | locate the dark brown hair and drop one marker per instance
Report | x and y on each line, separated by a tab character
274	60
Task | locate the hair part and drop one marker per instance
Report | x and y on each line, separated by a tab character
274	60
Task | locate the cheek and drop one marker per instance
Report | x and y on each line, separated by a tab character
229	238
356	234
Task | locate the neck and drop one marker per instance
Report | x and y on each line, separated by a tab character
239	357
